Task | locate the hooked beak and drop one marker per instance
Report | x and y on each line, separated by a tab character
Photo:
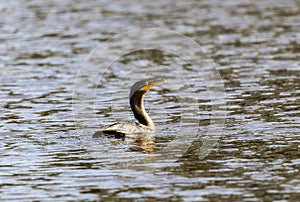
154	83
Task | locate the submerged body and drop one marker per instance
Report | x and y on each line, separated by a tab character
120	130
145	125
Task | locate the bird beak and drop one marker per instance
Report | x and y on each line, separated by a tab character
154	83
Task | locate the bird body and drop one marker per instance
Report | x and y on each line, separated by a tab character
120	130
136	98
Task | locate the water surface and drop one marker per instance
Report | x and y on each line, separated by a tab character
256	49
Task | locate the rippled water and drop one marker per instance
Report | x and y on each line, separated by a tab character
44	154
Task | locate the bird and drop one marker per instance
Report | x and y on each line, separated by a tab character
136	100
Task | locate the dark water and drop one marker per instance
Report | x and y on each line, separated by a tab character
46	148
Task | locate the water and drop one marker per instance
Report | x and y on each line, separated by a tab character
45	155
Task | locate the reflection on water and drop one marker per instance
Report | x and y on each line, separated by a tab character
256	47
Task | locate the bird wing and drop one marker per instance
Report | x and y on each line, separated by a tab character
119	130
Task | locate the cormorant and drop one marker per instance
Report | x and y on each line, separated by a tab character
145	123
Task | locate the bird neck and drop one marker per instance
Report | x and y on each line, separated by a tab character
137	106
